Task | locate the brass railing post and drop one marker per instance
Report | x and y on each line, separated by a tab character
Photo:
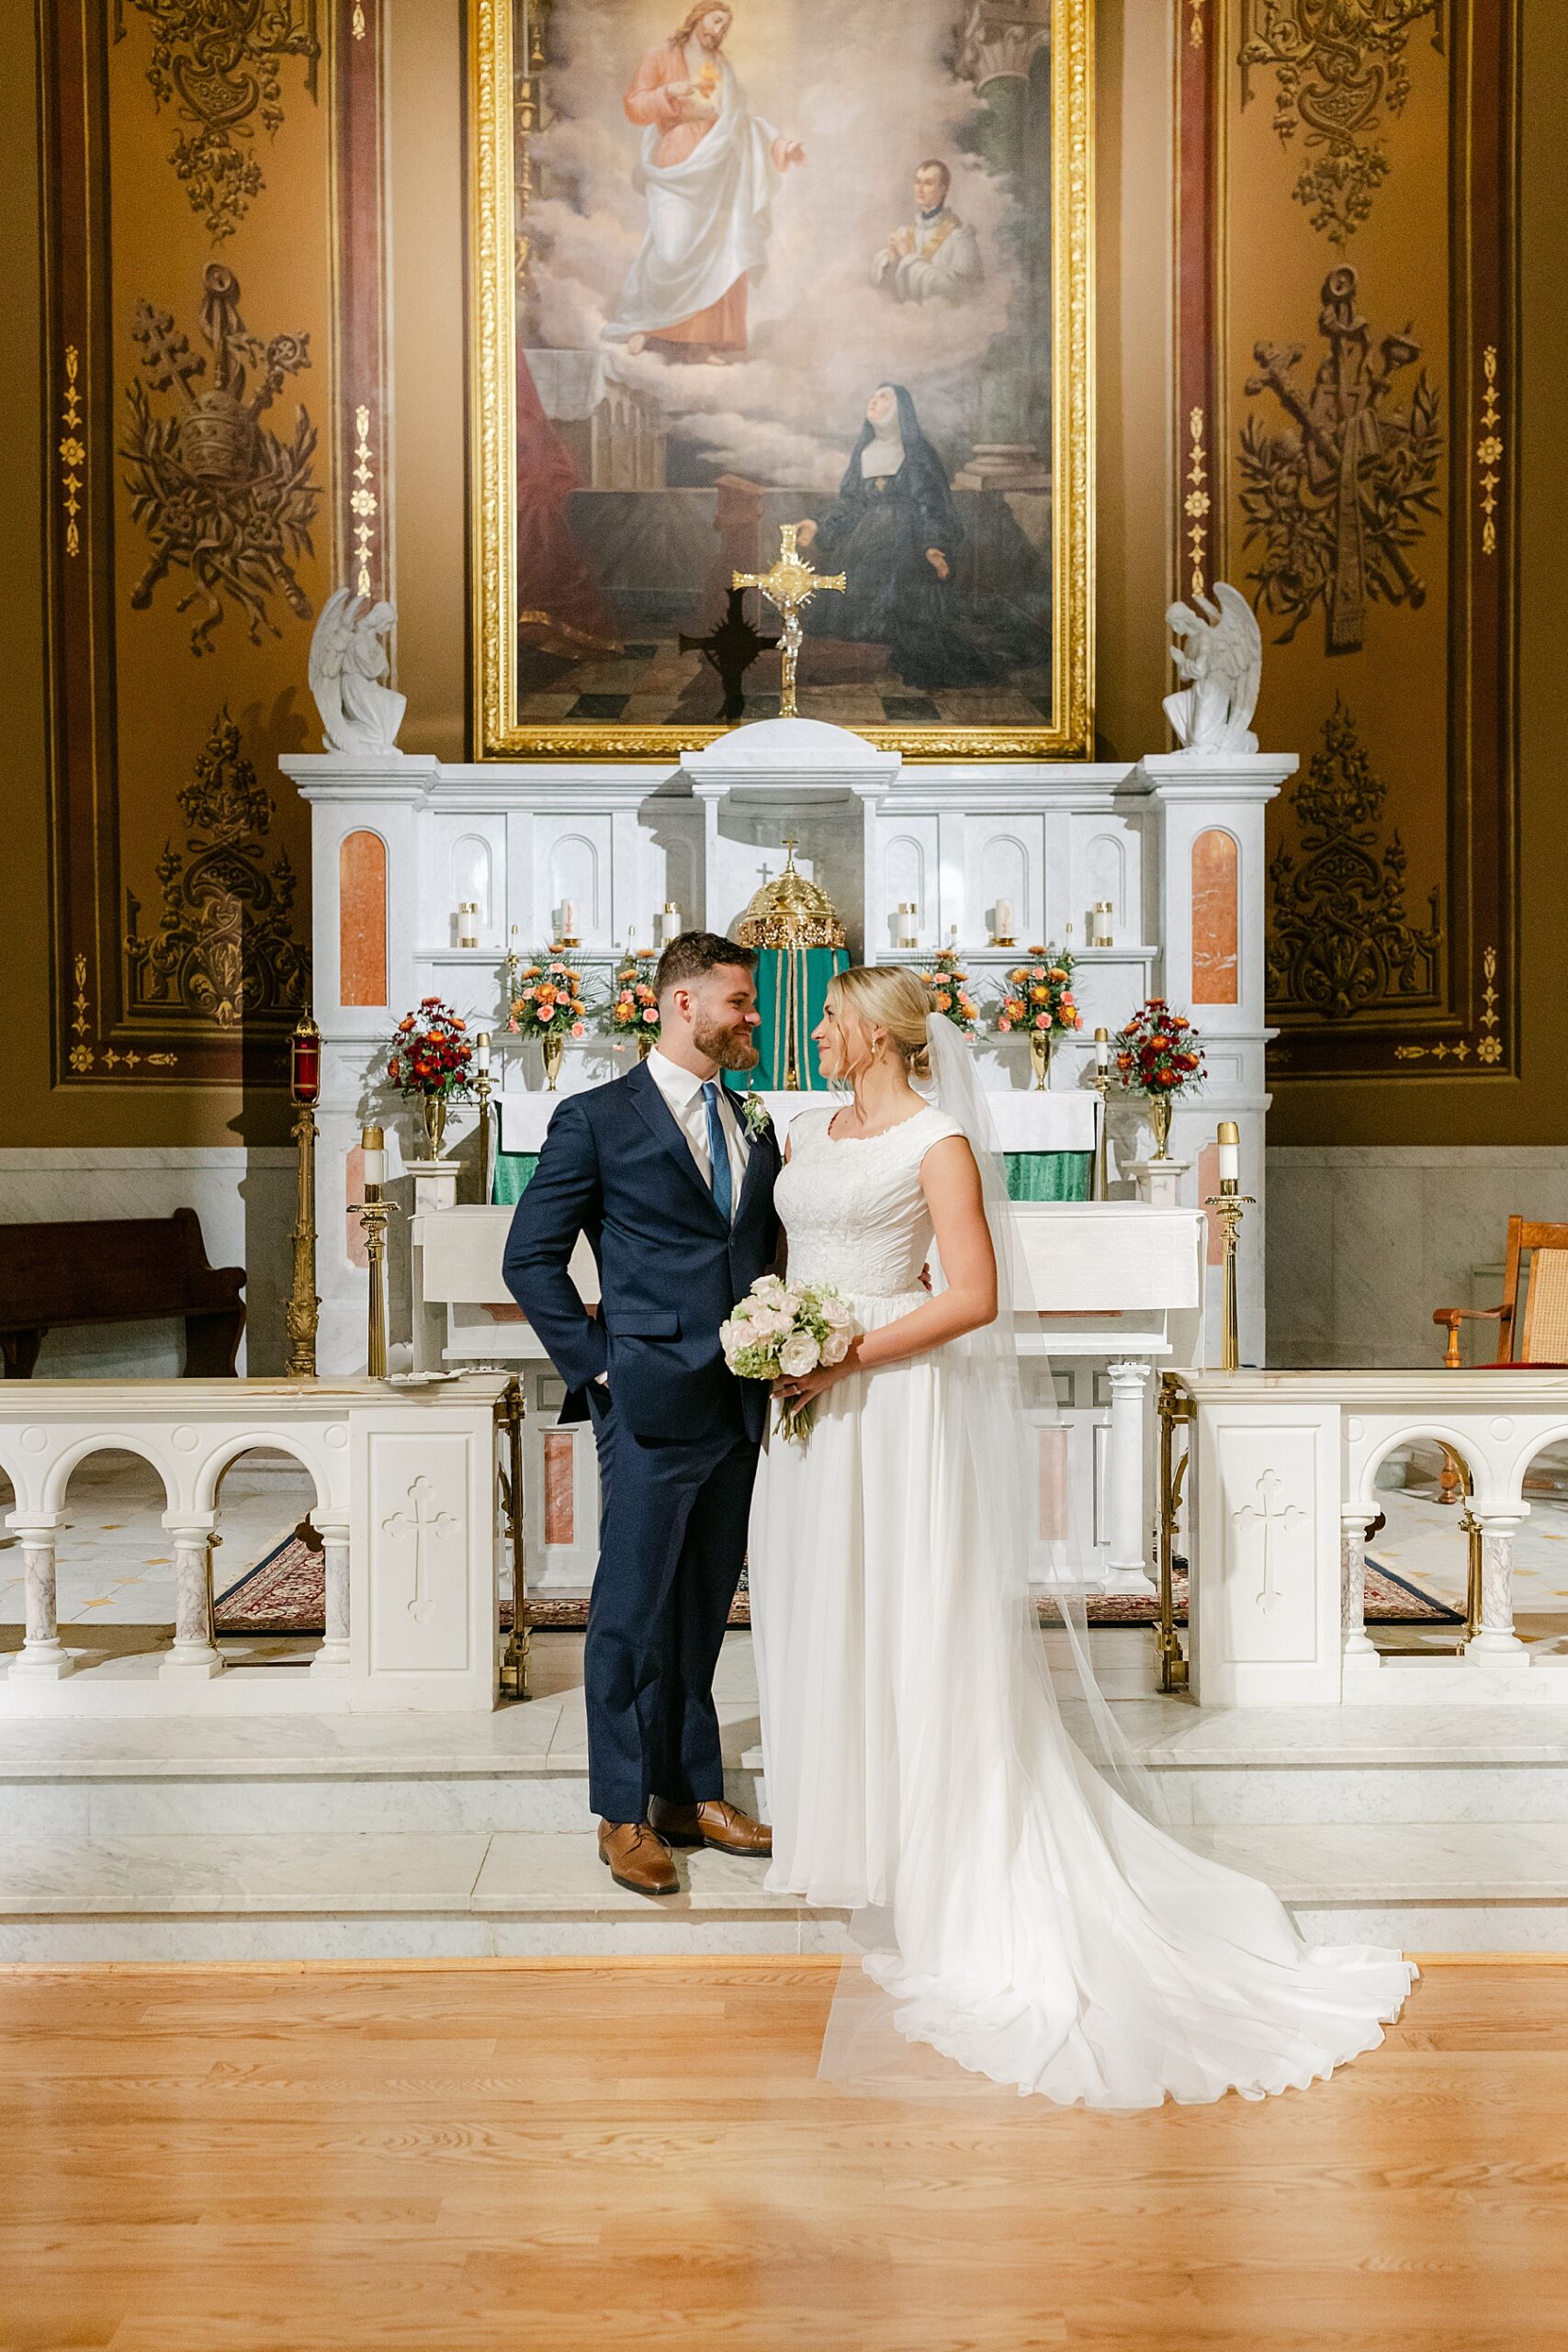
509	1413
1173	1407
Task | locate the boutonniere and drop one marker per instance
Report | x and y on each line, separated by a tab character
755	1110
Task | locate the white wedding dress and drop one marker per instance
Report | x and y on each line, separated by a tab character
1028	1922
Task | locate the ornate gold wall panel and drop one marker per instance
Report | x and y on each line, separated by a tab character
1347	230
211	178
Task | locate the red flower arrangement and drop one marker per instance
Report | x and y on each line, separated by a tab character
1040	996
431	1052
1158	1054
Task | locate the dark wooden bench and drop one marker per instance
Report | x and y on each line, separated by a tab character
120	1270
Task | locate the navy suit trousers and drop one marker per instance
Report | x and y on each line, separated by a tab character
673	1543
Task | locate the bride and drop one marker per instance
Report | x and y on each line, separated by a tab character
1020	1916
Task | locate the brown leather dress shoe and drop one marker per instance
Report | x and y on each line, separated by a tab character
638	1858
716	1822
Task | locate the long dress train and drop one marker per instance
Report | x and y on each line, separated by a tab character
1036	1927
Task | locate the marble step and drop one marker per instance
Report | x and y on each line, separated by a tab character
1487	1886
525	1769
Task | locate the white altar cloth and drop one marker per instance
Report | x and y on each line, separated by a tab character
1025	1120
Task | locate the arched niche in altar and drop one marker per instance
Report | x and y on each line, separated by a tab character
472	881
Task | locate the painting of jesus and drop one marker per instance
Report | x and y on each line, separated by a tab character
709	169
693	349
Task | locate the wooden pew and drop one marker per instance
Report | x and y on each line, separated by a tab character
120	1270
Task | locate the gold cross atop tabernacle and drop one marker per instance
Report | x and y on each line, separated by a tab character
789	586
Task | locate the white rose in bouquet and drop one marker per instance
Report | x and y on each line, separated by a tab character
799	1353
834	1347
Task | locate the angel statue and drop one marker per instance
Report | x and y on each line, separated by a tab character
347	662
1220	662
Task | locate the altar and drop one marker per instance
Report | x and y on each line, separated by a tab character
429	874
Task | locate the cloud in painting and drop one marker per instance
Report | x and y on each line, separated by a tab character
868	93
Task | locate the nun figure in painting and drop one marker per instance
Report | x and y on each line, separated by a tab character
893	531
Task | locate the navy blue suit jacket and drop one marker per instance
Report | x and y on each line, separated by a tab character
616	1166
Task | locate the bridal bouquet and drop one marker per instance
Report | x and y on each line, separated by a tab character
780	1331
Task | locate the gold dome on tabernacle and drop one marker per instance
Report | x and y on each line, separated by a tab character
790	911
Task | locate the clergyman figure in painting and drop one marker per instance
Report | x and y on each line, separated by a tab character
936	257
894	532
709	170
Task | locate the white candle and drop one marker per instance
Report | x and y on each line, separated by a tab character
1004	919
567	913
669	923
1230	1152
1102	1050
468	924
481	1053
372	1147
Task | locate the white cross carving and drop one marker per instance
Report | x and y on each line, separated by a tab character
1263	1515
419	1522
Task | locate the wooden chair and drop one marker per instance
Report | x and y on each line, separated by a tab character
1543	1340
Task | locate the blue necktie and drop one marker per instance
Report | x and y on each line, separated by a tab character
718	1153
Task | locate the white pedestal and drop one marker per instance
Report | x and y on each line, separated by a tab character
1160	1181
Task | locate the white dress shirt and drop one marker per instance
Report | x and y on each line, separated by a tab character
682	1090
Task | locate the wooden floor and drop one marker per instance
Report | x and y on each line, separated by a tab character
575	2154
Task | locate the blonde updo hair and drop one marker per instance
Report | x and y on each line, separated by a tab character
891	997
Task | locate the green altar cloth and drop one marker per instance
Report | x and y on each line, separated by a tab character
790	985
1031	1175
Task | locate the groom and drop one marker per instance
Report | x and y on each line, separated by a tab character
674	1187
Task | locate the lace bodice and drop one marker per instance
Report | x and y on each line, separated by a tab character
852	1205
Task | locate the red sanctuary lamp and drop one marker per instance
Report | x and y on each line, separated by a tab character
304	1306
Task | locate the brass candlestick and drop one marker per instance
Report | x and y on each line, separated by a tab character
373	1212
484	1086
1230	1201
509	1412
1100	1188
304	1306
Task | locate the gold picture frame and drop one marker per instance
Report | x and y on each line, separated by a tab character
506	96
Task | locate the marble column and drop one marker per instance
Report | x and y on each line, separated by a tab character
1126	1570
1495	1643
332	1656
194	1656
1353	1584
41	1653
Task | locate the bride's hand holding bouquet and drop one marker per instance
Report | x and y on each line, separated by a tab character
801	1338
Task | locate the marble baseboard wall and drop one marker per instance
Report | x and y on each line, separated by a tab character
245	1201
1365	1240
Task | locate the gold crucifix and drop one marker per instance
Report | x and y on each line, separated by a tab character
789	586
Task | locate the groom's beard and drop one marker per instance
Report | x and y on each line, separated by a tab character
730	1048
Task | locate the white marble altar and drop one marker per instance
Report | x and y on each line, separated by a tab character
1173	844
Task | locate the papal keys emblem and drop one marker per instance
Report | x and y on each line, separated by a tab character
218	493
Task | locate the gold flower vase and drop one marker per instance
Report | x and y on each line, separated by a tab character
1159	1120
433	1110
553	1048
1040	1043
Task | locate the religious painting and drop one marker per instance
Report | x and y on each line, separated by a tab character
816	263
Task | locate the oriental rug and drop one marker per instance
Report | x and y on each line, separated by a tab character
286	1593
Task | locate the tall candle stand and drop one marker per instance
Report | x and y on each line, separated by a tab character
304	1306
1230	1201
373	1212
484	1086
1100	1190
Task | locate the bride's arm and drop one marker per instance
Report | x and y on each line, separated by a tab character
951	1182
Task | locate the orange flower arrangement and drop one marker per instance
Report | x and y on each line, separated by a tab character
633	1010
548	1002
1040	996
949	992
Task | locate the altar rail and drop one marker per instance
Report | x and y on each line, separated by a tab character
406	1506
1280	1494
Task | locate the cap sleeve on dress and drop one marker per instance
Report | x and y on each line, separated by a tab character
935	1127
